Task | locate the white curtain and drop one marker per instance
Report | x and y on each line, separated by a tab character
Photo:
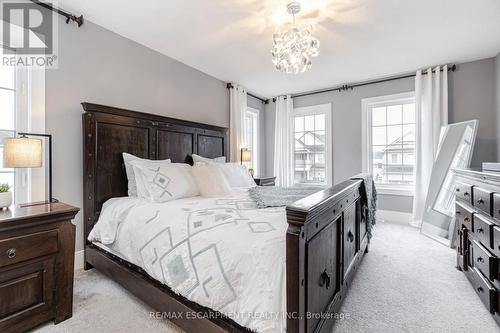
237	109
431	108
283	141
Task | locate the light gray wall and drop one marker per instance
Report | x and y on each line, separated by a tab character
471	96
346	130
96	65
259	105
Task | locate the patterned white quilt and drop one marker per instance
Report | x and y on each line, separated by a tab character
221	253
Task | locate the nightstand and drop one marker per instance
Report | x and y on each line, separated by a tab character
37	251
265	181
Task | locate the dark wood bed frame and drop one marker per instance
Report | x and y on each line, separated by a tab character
325	241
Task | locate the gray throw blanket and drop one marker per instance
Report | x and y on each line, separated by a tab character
275	196
371	196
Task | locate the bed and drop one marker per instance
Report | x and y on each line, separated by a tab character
215	264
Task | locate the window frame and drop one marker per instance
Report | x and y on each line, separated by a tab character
255	150
367	104
325	109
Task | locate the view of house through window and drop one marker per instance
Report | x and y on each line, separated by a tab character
392	137
312	145
252	137
7	117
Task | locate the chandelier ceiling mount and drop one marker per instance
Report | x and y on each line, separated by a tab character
293	45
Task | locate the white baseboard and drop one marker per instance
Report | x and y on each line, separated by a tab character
394	216
79	259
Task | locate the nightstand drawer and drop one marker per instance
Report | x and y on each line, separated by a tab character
482	199
484	261
464	216
26	291
22	248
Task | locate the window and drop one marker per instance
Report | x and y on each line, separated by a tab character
22	109
389	142
252	137
7	116
312	145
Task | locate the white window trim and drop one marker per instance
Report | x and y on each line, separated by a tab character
310	110
256	155
366	137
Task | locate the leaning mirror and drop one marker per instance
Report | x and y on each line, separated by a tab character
455	151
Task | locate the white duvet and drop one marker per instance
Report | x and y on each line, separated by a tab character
221	253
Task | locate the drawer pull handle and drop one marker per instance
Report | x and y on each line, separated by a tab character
480	230
324	279
350	236
480	289
466	194
458	190
466	219
459	212
11	253
480	201
479	259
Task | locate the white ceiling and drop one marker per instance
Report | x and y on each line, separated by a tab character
360	39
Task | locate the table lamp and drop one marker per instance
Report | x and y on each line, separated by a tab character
25	152
246	156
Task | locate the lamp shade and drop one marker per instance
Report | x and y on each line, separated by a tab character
246	155
22	153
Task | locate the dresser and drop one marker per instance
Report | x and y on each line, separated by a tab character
478	233
37	248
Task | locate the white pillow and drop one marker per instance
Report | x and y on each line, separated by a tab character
165	182
201	159
127	159
210	180
237	175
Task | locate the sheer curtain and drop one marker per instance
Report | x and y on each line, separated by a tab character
237	109
283	141
431	106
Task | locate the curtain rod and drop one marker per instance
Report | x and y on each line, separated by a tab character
264	101
345	87
69	17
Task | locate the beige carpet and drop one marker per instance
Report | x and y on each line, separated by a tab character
407	283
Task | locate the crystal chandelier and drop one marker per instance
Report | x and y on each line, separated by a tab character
293	46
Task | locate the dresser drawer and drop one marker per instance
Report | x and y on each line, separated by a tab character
464	216
496	206
484	290
463	191
22	248
496	241
482	199
483	230
484	261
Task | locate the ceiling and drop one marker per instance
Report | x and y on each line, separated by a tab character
360	39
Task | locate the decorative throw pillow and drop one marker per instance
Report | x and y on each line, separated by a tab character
127	159
201	159
166	182
210	180
237	175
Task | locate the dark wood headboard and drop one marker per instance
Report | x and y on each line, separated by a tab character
109	131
